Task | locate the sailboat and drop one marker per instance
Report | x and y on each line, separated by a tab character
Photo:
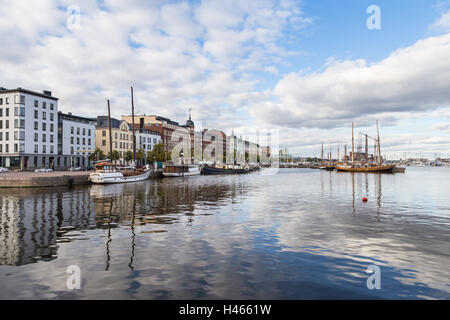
367	167
107	172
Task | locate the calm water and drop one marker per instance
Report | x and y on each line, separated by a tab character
298	234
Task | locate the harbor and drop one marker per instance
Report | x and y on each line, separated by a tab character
214	237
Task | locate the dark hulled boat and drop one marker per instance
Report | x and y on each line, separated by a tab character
209	170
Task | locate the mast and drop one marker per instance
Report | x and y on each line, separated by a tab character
367	148
322	154
110	133
353	146
379	145
132	122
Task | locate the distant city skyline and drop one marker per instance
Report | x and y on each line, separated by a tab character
307	68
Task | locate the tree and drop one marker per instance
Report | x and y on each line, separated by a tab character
97	155
158	154
128	156
115	155
140	154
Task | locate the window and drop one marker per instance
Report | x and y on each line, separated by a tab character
44	126
44	149
36	137
36	125
51	117
1	112
16	123
115	135
6	148
71	150
89	141
16	147
1	136
1	101
84	140
1	124
51	127
84	131
71	130
7	112
44	115
78	140
21	147
7	136
36	114
78	130
36	148
44	105
1	149
22	99
51	106
22	123
89	131
71	140
51	149
44	138
103	142
115	144
51	138
36	103
104	133
22	111
7	102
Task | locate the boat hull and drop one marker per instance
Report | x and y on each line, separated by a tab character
380	169
212	171
181	174
117	177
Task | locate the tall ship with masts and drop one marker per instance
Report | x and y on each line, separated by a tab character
107	172
377	165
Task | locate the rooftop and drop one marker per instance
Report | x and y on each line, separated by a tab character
44	94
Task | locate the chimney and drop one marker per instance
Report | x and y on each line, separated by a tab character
47	93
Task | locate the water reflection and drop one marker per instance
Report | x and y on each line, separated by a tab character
297	234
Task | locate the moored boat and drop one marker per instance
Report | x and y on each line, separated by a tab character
210	170
181	170
106	172
374	168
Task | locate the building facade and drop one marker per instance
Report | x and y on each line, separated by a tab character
28	129
76	140
122	137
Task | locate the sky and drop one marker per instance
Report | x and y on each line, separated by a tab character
306	69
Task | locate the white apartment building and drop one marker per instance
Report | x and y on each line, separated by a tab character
76	139
28	129
146	139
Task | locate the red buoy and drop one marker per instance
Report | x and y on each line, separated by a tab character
364	199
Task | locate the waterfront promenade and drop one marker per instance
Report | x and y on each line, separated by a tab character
42	179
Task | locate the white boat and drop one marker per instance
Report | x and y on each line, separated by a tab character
181	170
106	172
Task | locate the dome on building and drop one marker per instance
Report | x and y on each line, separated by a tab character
189	123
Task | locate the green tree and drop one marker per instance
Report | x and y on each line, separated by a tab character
115	155
140	154
97	155
128	156
158	154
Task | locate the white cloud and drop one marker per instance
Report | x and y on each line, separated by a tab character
442	24
412	79
176	54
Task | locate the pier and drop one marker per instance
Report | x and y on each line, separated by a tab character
43	179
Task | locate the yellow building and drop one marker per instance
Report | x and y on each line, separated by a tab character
122	136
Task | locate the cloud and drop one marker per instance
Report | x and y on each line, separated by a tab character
412	79
443	126
177	55
442	24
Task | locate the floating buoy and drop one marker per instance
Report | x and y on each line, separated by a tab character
364	199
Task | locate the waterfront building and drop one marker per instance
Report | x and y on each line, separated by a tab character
164	126
28	129
76	140
122	136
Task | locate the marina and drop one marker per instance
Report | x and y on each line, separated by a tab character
213	237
